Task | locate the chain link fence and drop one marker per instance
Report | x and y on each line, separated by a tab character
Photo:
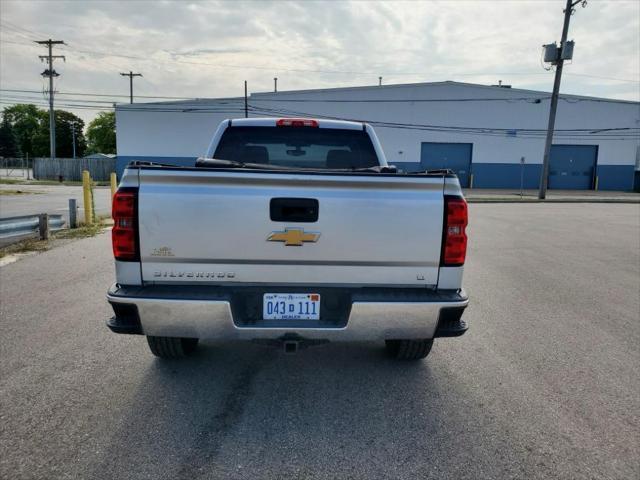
18	168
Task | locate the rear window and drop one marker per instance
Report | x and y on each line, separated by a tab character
304	147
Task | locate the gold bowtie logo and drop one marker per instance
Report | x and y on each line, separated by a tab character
293	237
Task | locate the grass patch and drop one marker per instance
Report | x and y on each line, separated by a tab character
25	246
83	231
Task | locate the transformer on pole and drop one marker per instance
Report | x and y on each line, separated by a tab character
556	56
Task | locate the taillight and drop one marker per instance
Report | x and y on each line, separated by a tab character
454	241
124	235
297	122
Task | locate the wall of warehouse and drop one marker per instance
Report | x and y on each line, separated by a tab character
171	132
179	132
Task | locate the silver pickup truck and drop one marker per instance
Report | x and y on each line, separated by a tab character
293	232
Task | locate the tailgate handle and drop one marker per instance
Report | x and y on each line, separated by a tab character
294	210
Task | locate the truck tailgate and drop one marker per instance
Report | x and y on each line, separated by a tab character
216	227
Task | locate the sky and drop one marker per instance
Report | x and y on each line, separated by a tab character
199	49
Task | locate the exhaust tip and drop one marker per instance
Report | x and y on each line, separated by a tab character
290	347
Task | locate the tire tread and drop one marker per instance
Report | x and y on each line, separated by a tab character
409	349
171	347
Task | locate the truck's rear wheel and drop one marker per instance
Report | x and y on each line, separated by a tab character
409	349
172	347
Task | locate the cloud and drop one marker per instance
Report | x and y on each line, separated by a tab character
207	49
195	52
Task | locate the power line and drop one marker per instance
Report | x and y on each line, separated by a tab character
135	109
305	100
622	133
337	72
509	129
29	97
619	133
229	109
97	94
186	107
228	106
400	100
601	77
532	99
18	28
17	43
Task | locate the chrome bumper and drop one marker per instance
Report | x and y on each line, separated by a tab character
373	316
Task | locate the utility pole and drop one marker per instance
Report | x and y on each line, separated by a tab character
51	73
559	62
246	106
131	75
73	136
275	84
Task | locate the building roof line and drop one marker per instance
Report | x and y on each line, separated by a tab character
437	84
181	103
282	95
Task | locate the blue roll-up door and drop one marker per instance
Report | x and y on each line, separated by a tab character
454	156
572	167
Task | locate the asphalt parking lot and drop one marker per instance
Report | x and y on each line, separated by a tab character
545	384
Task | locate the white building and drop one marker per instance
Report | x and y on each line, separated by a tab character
491	136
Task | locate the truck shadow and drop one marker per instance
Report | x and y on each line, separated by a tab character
250	411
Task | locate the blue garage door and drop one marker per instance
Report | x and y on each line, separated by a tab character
454	156
572	167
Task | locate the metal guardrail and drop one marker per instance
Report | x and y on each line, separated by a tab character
26	225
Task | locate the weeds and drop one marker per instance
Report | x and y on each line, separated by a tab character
83	231
15	192
25	246
36	245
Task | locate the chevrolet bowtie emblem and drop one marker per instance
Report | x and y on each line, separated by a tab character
293	237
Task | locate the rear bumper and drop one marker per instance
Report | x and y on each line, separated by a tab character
214	313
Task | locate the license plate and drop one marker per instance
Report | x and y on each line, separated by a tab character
291	306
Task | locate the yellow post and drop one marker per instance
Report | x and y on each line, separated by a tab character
114	184
471	181
596	186
86	191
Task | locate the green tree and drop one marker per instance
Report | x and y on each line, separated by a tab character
31	127
26	121
66	122
101	133
8	142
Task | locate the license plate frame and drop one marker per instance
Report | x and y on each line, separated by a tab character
296	306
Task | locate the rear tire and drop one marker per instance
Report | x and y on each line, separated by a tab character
409	349
172	347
